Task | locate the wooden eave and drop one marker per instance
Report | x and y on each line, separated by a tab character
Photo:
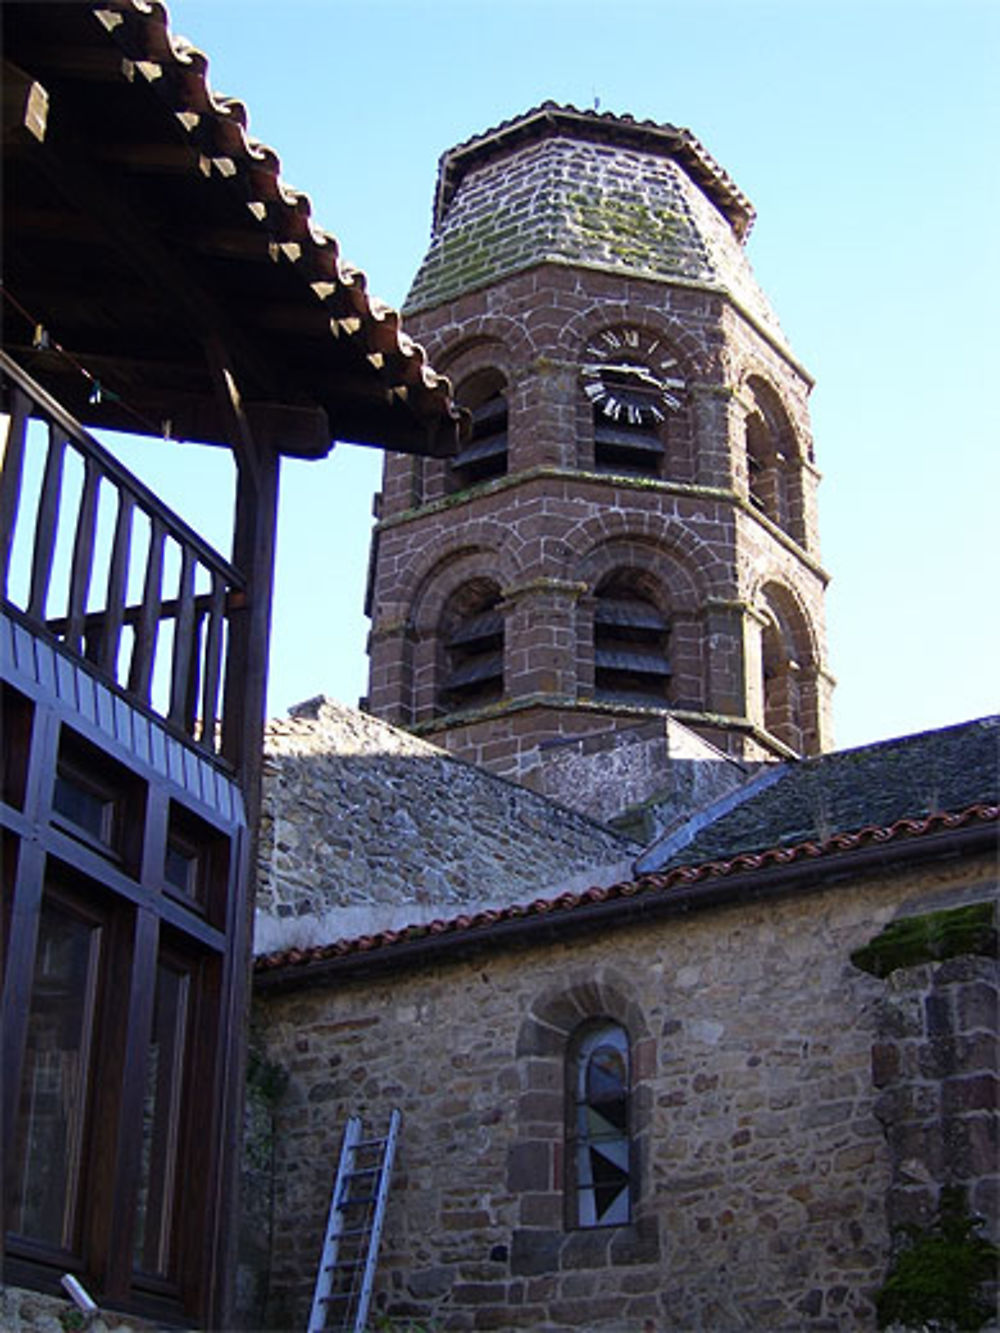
141	223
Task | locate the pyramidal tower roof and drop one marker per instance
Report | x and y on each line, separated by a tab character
558	185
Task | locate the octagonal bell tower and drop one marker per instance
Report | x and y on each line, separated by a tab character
628	533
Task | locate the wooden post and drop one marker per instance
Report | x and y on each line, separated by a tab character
254	533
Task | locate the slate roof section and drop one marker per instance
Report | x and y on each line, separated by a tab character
552	118
923	771
874	785
563	186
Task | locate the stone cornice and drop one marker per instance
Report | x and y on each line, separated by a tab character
604	480
492	280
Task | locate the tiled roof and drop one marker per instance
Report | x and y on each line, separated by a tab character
699	878
139	97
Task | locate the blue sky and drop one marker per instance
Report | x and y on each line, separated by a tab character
866	136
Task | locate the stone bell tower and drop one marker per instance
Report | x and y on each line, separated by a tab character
628	533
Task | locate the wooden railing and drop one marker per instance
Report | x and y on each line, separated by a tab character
76	587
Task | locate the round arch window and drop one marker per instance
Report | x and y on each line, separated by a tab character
600	1157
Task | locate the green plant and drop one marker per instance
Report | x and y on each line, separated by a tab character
937	1276
930	938
268	1079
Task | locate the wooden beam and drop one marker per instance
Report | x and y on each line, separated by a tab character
25	106
155	159
171	402
148	256
89	64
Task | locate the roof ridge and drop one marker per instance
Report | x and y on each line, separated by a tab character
987	720
674	841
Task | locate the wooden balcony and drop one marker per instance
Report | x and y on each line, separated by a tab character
92	562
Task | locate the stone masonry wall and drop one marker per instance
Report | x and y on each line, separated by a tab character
365	827
660	772
547	241
935	1062
23	1311
762	1163
549	530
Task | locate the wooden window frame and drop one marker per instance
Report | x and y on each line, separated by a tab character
46	859
90	769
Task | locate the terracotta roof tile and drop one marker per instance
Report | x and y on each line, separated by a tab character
143	28
659	882
268	225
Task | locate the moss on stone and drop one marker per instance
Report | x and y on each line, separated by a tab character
638	234
471	254
929	939
938	1276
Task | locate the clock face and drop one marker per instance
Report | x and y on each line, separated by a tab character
630	377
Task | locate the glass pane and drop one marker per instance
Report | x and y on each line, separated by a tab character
602	1145
161	1121
83	806
55	1081
180	868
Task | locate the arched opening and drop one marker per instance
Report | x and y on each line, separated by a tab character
472	641
630	448
764	477
788	670
598	1129
630	641
484	454
773	465
782	697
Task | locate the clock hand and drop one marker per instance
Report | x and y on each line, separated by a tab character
623	370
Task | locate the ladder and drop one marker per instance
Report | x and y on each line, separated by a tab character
350	1247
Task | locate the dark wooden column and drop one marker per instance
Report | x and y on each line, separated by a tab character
254	538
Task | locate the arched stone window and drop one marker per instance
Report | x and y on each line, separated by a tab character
598	1141
630	641
472	645
773	465
764	476
630	448
788	670
484	454
782	701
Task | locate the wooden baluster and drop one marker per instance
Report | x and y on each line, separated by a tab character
190	721
83	555
10	479
147	628
184	660
114	612
46	523
213	662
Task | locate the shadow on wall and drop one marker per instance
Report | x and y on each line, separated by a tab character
365	827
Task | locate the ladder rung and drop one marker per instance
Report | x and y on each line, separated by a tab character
353	1265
